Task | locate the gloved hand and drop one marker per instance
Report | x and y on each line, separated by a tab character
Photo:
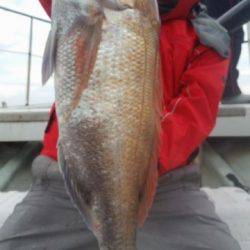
210	32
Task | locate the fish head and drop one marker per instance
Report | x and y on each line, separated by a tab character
108	208
110	221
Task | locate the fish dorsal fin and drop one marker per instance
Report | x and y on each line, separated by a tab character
49	55
148	191
148	188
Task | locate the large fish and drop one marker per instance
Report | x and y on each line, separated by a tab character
105	58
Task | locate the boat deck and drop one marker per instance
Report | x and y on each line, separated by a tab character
27	123
225	153
218	158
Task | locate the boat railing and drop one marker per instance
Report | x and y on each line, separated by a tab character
29	53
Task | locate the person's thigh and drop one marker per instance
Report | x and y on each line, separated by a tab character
183	218
46	218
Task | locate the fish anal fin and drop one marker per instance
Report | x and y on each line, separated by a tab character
87	39
49	55
86	47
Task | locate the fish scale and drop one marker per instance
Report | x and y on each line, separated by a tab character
105	59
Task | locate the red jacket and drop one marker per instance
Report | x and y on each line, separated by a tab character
193	84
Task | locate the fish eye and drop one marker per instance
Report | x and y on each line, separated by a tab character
86	194
87	197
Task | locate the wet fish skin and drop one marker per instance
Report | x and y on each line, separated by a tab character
106	83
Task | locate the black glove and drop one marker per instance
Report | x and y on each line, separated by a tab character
166	5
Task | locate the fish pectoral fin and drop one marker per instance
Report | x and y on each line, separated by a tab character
79	194
48	63
61	160
65	171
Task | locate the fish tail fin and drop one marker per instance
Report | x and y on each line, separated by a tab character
152	175
149	8
115	5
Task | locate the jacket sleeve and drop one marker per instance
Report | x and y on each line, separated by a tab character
190	117
47	6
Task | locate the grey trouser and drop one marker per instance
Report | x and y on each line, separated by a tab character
182	217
